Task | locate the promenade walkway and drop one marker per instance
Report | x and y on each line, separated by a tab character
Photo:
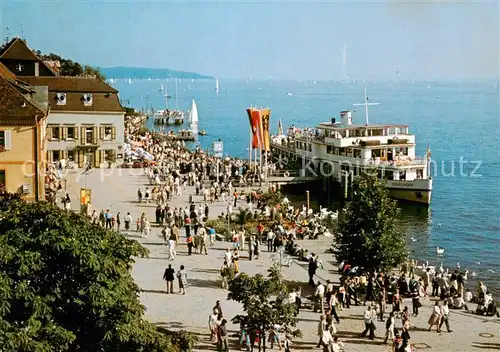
116	190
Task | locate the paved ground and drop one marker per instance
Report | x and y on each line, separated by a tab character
116	190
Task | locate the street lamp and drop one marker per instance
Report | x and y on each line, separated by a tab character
229	219
281	258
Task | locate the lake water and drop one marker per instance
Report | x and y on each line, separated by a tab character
459	120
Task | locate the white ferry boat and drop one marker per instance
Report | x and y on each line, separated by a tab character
334	148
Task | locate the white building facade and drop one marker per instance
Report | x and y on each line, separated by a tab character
85	126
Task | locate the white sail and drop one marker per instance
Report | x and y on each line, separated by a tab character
193	116
217	85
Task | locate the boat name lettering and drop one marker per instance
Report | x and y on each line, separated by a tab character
406	184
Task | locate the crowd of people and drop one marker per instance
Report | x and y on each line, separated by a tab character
175	168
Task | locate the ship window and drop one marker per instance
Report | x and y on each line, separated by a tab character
329	149
376	153
420	174
389	175
310	147
336	151
357	153
402	175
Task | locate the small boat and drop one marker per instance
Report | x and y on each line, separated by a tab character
202	133
439	250
193	117
289	94
217	85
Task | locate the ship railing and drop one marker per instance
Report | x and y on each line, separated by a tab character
404	162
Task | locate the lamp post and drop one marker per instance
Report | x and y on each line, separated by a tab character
228	219
280	258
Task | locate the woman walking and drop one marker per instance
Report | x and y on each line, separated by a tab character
182	277
236	258
435	318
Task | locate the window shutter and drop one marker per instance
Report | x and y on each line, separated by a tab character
62	154
82	135
49	133
60	132
94	135
102	156
80	158
75	132
101	133
97	161
64	132
49	156
8	140
113	132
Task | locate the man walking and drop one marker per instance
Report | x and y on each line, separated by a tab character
168	276
128	220
445	313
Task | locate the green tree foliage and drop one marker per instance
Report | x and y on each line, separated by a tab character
242	216
367	232
265	302
272	198
72	68
65	284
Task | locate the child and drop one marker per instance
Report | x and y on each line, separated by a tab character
138	224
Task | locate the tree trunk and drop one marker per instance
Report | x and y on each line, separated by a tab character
264	341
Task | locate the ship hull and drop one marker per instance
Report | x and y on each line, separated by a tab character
417	191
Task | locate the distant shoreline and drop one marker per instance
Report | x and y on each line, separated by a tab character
145	73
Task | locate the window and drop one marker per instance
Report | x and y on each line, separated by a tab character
110	155
71	153
329	149
3	183
108	133
89	135
56	155
5	140
55	132
70	134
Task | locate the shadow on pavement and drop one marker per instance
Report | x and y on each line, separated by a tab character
486	345
365	342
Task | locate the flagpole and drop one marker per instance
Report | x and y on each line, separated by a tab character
250	149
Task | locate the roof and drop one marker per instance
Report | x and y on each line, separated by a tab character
67	84
101	102
15	108
17	49
6	73
338	126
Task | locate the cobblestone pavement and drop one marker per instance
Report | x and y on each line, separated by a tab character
116	190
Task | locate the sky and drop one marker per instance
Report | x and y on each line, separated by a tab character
270	40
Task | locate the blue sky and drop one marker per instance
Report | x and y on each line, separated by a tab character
292	40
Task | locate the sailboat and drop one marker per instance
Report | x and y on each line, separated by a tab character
217	85
130	81
193	118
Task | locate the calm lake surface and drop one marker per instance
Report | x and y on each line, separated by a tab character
459	120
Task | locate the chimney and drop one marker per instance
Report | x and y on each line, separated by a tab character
346	118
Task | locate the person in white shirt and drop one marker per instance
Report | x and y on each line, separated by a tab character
369	317
228	255
337	345
468	296
128	220
445	313
320	297
171	249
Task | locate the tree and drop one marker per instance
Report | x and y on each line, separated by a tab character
367	233
243	216
265	302
66	285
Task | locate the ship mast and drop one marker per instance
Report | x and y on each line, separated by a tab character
366	104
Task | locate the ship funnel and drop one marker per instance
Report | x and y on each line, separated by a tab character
346	118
